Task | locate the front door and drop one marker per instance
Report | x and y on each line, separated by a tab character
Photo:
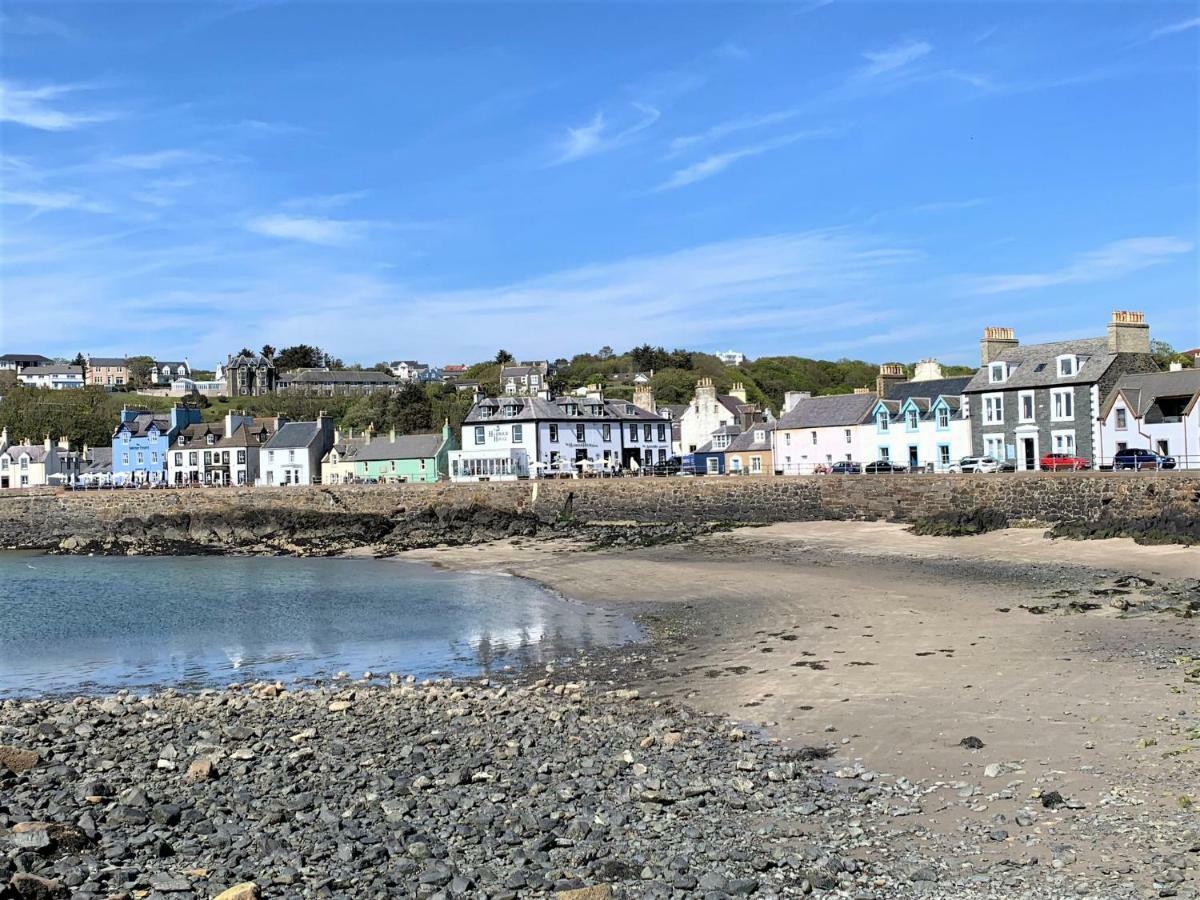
913	460
1029	453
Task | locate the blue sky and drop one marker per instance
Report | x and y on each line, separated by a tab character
390	180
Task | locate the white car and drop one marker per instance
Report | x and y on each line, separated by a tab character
983	464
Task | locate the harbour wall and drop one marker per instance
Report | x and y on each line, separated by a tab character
44	518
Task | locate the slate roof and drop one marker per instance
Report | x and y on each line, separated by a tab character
834	410
255	359
35	452
173	364
537	409
1035	365
99	460
242	436
746	442
336	376
676	409
107	362
53	370
1141	392
141	423
21	357
199	430
931	389
407	446
295	435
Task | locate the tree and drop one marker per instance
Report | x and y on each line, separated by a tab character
81	361
269	352
412	411
301	356
139	371
1164	354
503	358
246	351
382	367
606	352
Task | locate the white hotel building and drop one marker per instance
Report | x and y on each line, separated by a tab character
514	437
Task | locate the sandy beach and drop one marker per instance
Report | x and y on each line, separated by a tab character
892	649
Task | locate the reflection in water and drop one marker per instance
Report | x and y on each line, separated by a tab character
78	623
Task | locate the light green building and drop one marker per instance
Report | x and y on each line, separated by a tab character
406	457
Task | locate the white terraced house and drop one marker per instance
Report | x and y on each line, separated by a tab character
821	431
514	437
922	424
1157	411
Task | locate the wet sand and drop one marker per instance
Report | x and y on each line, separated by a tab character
892	648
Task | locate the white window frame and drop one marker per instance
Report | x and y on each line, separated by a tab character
480	435
756	465
993	446
1121	419
997	373
993	403
1063	441
1061	411
1031	396
1072	365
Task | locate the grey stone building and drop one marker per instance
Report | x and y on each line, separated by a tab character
248	375
1027	401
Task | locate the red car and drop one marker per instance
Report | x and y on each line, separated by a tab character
1055	462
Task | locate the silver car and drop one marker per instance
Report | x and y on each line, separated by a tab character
983	464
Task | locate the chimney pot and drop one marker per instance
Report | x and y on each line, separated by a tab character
1128	332
996	340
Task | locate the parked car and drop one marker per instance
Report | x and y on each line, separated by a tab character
883	467
845	468
986	464
1055	462
666	467
1138	458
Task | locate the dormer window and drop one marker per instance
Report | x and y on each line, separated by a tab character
882	422
912	419
485	412
759	436
1067	365
998	372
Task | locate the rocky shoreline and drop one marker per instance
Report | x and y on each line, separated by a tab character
309	533
444	789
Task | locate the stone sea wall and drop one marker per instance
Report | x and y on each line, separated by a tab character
413	515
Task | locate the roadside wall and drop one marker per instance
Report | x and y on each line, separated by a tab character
42	518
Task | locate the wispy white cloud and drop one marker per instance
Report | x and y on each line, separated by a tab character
28	25
309	229
51	201
1175	28
719	162
772	281
326	201
732	126
940	206
160	159
597	137
1109	262
34	107
731	50
893	58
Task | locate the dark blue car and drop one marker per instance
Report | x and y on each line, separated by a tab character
1138	458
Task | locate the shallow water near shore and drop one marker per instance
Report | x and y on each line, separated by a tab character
71	624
